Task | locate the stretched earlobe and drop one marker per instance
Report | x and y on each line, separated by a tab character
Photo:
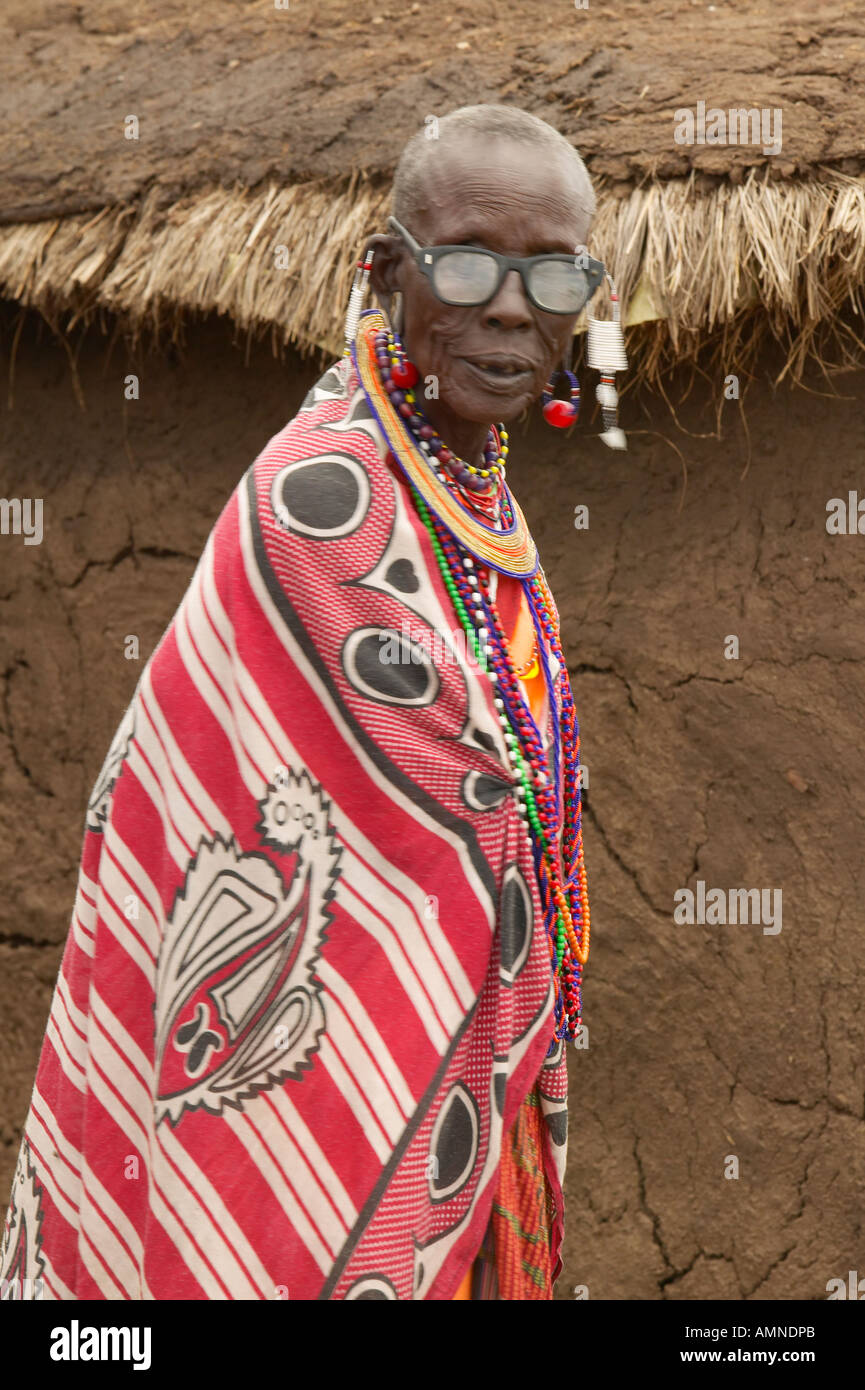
387	255
395	312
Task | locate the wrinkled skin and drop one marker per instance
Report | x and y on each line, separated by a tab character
505	197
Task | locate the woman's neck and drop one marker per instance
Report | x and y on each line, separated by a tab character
465	438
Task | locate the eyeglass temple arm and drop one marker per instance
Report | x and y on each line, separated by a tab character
394	226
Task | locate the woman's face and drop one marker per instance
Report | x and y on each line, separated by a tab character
492	360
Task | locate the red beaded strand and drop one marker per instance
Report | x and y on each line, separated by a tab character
569	945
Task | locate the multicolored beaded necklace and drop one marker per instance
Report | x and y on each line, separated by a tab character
548	796
479	487
509	548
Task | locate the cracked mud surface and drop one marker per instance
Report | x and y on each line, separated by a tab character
244	91
705	1042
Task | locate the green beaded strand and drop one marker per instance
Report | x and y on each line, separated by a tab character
522	767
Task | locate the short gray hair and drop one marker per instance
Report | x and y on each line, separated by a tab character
494	122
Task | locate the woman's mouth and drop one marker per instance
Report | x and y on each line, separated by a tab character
500	374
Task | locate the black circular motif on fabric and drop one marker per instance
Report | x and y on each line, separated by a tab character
558	1126
372	1286
500	1083
553	1061
481	738
324	498
359	410
401	575
387	666
515	929
454	1143
482	792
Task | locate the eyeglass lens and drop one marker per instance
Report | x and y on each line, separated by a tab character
559	285
465	277
469	277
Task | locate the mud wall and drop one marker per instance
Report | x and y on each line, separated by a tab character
717	1136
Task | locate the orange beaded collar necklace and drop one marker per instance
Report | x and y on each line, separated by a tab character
510	551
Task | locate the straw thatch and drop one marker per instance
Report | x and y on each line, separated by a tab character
736	262
226	214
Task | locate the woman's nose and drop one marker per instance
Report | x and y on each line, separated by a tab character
509	308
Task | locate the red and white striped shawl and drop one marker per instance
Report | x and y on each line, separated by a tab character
306	984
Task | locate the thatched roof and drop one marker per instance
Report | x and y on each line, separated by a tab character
262	127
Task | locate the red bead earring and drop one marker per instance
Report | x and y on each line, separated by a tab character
559	412
404	374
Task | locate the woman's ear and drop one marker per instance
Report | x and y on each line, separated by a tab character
388	256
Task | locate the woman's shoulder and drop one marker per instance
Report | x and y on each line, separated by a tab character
310	457
313	491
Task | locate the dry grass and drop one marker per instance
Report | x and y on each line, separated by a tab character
728	267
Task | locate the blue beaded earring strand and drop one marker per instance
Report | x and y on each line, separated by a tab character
559	412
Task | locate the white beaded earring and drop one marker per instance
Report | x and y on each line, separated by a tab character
355	300
605	352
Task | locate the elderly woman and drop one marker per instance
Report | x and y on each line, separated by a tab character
307	1039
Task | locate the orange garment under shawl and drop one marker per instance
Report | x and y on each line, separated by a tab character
521	1181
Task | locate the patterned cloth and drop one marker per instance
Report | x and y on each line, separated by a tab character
306	988
523	1210
518	1237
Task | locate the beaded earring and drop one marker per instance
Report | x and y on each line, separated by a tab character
605	352
403	372
556	411
355	300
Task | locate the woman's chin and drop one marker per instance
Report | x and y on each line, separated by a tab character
518	405
488	406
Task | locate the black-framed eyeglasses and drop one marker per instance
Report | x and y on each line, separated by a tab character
469	275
